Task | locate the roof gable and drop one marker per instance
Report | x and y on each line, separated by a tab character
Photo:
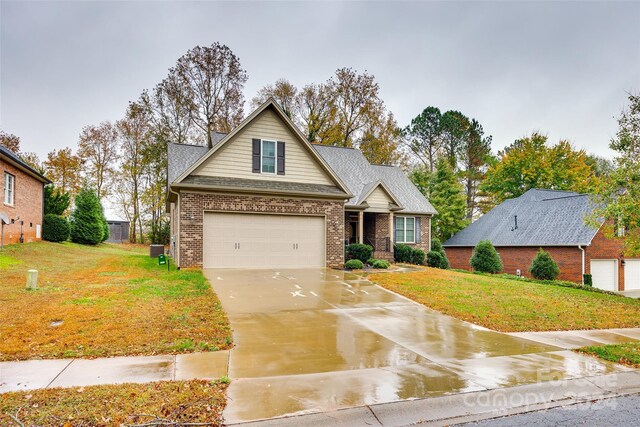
310	166
544	218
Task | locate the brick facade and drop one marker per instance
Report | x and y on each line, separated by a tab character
568	258
605	248
27	205
193	205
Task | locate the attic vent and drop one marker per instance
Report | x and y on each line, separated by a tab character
515	223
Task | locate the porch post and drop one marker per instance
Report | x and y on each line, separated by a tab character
361	227
392	228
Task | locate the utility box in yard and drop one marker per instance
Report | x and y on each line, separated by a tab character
155	250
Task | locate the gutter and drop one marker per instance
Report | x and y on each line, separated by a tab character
582	250
243	190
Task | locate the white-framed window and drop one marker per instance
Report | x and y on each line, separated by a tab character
9	188
268	155
405	229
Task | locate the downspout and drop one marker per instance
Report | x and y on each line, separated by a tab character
582	250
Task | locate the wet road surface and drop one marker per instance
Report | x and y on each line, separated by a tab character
318	340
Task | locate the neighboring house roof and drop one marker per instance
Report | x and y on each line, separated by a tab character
13	159
361	178
545	218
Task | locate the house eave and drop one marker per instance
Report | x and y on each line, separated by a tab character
260	191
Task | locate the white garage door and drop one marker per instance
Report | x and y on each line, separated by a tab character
236	240
632	274
603	272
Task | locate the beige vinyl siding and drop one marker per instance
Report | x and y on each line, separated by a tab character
378	200
234	158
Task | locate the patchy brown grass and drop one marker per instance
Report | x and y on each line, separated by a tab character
509	305
112	300
166	402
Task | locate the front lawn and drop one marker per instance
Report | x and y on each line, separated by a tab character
510	305
107	300
627	354
196	402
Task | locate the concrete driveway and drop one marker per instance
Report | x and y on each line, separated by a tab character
319	340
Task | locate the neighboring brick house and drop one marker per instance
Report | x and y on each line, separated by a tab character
554	221
21	210
264	197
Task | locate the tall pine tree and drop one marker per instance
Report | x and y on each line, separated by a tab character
447	196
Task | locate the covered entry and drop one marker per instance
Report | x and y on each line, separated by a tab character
247	240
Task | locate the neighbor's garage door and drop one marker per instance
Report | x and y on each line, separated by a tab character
236	240
632	274
603	272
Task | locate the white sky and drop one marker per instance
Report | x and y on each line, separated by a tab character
561	68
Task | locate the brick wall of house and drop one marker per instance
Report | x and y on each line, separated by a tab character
193	206
568	258
425	238
27	205
381	232
606	248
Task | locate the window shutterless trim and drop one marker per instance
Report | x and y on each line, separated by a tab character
404	229
275	156
7	191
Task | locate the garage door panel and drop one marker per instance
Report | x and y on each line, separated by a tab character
632	275
265	241
604	274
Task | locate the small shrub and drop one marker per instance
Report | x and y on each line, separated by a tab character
485	258
402	253
359	251
436	245
55	228
588	280
353	264
380	263
417	256
435	259
544	267
370	261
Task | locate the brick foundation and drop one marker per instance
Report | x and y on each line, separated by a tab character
193	206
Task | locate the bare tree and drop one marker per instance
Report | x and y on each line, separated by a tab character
283	92
97	146
134	132
213	79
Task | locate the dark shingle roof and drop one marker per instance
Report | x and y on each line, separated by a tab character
545	218
359	176
180	157
259	184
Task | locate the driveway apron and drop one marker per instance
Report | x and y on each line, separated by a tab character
317	340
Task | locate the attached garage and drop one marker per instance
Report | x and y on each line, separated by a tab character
605	274
247	240
632	275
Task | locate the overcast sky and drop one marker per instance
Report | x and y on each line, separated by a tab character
561	68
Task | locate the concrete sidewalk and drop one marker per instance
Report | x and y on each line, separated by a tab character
35	374
575	339
469	407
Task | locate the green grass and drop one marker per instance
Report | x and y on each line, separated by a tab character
627	354
509	305
112	300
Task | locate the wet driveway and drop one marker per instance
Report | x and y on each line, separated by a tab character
318	340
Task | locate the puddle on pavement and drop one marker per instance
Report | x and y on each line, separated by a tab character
317	340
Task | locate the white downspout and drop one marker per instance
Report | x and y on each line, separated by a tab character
582	250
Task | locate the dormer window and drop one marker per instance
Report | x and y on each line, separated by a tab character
268	157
